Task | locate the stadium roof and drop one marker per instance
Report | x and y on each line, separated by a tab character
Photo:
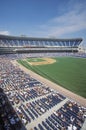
37	39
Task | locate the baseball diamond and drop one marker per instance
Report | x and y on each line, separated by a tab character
66	71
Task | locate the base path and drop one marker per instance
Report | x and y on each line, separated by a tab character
65	92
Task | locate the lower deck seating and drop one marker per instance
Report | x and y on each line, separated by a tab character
68	117
31	100
8	117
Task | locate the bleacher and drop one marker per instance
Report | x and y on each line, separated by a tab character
69	116
26	101
14	44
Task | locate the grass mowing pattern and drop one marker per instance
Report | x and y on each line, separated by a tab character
67	72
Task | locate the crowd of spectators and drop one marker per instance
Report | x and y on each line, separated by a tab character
24	99
70	116
9	120
56	54
34	109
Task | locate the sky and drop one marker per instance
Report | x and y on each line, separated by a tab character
44	18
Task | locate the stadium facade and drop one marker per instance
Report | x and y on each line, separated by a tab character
15	44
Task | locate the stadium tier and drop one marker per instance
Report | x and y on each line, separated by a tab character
28	104
14	44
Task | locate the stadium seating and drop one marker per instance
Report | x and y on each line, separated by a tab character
11	44
29	100
39	43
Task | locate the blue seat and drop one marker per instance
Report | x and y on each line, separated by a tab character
40	127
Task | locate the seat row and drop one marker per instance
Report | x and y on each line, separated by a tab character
8	117
70	116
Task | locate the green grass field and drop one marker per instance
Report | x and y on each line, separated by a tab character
35	60
66	71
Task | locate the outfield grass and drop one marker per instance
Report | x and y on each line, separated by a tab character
67	72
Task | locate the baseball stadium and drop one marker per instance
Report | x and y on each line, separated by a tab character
42	83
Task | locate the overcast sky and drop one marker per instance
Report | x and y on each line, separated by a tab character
43	18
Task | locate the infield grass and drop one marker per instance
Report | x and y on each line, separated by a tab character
68	72
34	59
